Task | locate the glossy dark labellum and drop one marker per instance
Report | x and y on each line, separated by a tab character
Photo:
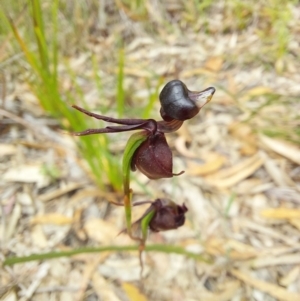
178	102
167	216
154	158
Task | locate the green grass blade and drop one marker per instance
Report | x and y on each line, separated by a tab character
120	87
96	76
150	248
54	13
39	31
153	97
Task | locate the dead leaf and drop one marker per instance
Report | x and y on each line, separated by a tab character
231	176
182	149
41	273
52	218
214	63
7	149
11	296
59	192
295	222
228	292
260	90
26	174
289	259
283	148
89	270
247	149
100	230
38	237
281	213
246	186
103	288
213	163
275	172
272	289
13	221
268	231
231	248
245	136
132	292
290	277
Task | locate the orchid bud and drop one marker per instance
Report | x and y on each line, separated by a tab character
154	158
167	216
177	102
162	215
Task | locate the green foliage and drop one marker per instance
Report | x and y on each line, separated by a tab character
275	31
153	97
45	85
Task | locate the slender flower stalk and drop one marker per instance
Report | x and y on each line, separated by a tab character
162	215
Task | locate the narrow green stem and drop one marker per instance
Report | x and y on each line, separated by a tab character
132	145
145	224
145	228
150	248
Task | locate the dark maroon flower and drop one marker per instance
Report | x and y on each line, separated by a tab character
154	158
168	215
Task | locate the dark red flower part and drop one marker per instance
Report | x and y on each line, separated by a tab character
178	102
154	158
168	215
